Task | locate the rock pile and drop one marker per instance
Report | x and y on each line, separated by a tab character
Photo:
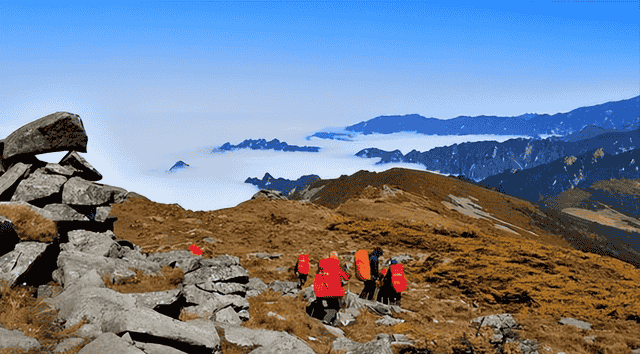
85	249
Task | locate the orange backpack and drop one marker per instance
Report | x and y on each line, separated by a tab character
363	269
303	264
398	280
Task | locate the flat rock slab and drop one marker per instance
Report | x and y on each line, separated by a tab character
83	168
110	311
227	315
67	344
498	322
223	288
110	343
38	185
95	243
60	131
155	298
20	260
153	348
12	177
576	323
268	340
16	339
57	169
232	273
347	346
63	212
73	264
79	191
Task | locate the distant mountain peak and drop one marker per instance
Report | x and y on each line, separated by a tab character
178	165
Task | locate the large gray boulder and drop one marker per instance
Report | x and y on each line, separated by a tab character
37	186
60	131
79	191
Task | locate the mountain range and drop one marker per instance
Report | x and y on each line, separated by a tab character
280	184
483	159
262	144
620	115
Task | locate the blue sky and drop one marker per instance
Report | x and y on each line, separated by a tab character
156	80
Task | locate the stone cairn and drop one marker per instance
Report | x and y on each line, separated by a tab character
86	247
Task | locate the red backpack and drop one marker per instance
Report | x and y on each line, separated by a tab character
398	280
363	268
303	264
327	282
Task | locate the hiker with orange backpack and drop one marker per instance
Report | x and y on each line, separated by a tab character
328	288
369	290
301	269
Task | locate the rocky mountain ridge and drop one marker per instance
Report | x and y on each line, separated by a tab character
483	159
285	186
262	144
620	115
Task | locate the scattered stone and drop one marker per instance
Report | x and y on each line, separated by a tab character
227	315
265	255
576	323
387	320
273	314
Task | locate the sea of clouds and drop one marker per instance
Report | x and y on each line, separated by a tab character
216	180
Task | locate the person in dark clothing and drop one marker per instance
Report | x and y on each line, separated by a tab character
383	290
369	290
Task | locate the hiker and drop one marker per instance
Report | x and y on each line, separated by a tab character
383	287
328	288
369	290
301	269
398	282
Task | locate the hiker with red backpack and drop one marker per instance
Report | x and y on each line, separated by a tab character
398	282
367	271
301	269
328	287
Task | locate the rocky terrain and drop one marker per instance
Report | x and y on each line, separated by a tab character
92	268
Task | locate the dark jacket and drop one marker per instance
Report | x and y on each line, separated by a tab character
373	263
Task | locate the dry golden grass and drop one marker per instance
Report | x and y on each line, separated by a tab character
466	272
20	310
29	225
